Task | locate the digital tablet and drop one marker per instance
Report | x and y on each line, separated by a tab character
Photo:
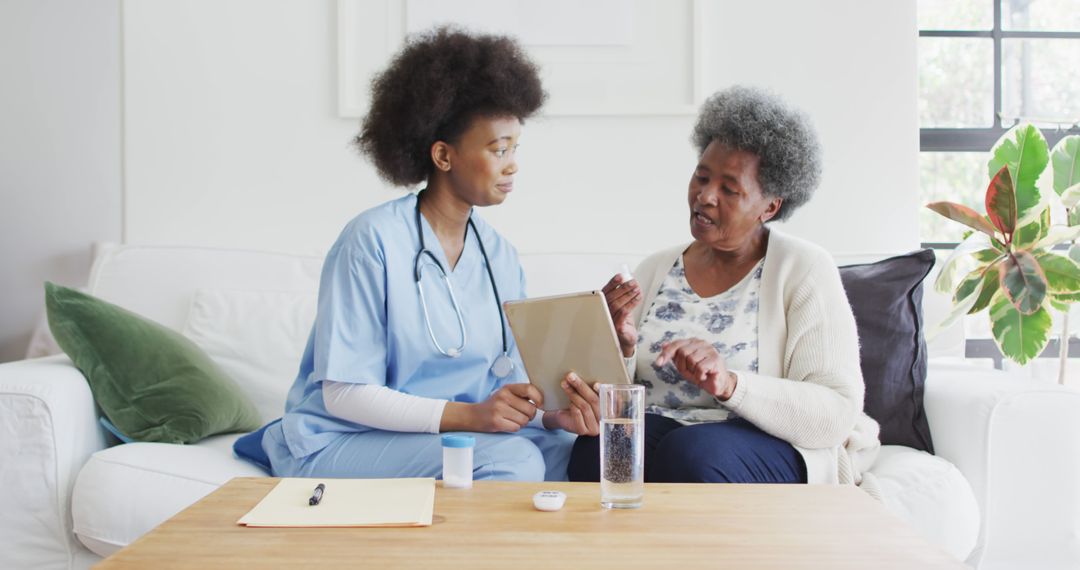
562	333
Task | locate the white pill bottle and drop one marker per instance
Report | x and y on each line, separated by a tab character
457	461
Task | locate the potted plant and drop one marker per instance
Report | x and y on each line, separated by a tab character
1008	263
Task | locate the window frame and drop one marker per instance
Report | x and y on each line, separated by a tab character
983	139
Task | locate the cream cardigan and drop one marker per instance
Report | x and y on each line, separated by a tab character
809	389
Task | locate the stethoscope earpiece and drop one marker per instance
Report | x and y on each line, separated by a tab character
503	365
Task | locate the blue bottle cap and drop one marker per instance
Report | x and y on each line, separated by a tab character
458	441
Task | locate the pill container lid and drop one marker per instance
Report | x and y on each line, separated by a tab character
458	441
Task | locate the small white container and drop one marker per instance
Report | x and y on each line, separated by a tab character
457	461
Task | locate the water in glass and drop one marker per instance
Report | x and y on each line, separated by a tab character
622	463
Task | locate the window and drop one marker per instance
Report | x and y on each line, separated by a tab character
985	65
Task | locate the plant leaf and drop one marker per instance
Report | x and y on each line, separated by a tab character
1001	203
991	281
1023	149
1044	223
1074	253
1062	306
1074	217
960	262
1065	297
1062	273
968	285
1058	234
988	255
1023	281
964	215
1066	160
1070	196
1033	232
1020	337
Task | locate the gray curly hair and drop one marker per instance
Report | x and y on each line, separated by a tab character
758	122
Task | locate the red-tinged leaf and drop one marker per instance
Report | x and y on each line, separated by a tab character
964	215
1001	203
1024	282
1023	149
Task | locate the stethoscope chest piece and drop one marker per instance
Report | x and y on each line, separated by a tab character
502	367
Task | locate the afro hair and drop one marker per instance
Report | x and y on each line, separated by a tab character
431	91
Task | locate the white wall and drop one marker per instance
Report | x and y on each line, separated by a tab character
60	184
232	136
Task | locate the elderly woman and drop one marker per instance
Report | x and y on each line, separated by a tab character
745	341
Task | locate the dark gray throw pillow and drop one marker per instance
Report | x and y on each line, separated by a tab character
886	298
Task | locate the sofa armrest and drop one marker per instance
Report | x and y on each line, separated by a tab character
1018	444
48	429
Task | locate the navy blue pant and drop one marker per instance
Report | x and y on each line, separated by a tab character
734	451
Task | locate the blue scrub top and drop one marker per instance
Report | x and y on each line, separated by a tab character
370	328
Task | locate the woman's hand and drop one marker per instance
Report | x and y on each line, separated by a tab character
700	364
622	297
506	410
583	415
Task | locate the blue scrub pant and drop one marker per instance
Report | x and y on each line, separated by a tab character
733	451
531	454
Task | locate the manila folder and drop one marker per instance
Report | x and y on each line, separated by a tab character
346	502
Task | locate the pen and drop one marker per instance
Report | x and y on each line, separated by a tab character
317	495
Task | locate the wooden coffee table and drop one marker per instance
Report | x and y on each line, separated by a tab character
493	525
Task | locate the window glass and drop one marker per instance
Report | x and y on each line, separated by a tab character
1039	81
1040	15
955	14
954	176
956	82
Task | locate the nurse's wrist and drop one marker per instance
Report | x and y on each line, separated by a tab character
456	416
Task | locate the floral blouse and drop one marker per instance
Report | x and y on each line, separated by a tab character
728	320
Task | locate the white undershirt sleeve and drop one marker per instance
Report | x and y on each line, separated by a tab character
538	420
382	408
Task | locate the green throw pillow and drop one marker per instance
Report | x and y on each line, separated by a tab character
152	383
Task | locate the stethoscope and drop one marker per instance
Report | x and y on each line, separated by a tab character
503	365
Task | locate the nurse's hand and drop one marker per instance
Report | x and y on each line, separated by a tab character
583	415
622	297
506	410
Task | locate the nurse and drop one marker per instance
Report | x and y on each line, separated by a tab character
410	339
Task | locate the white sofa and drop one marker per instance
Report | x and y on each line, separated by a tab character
1003	490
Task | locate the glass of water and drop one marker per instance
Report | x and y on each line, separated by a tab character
622	445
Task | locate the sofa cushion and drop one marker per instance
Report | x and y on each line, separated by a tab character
257	337
886	298
158	281
932	495
124	491
151	382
